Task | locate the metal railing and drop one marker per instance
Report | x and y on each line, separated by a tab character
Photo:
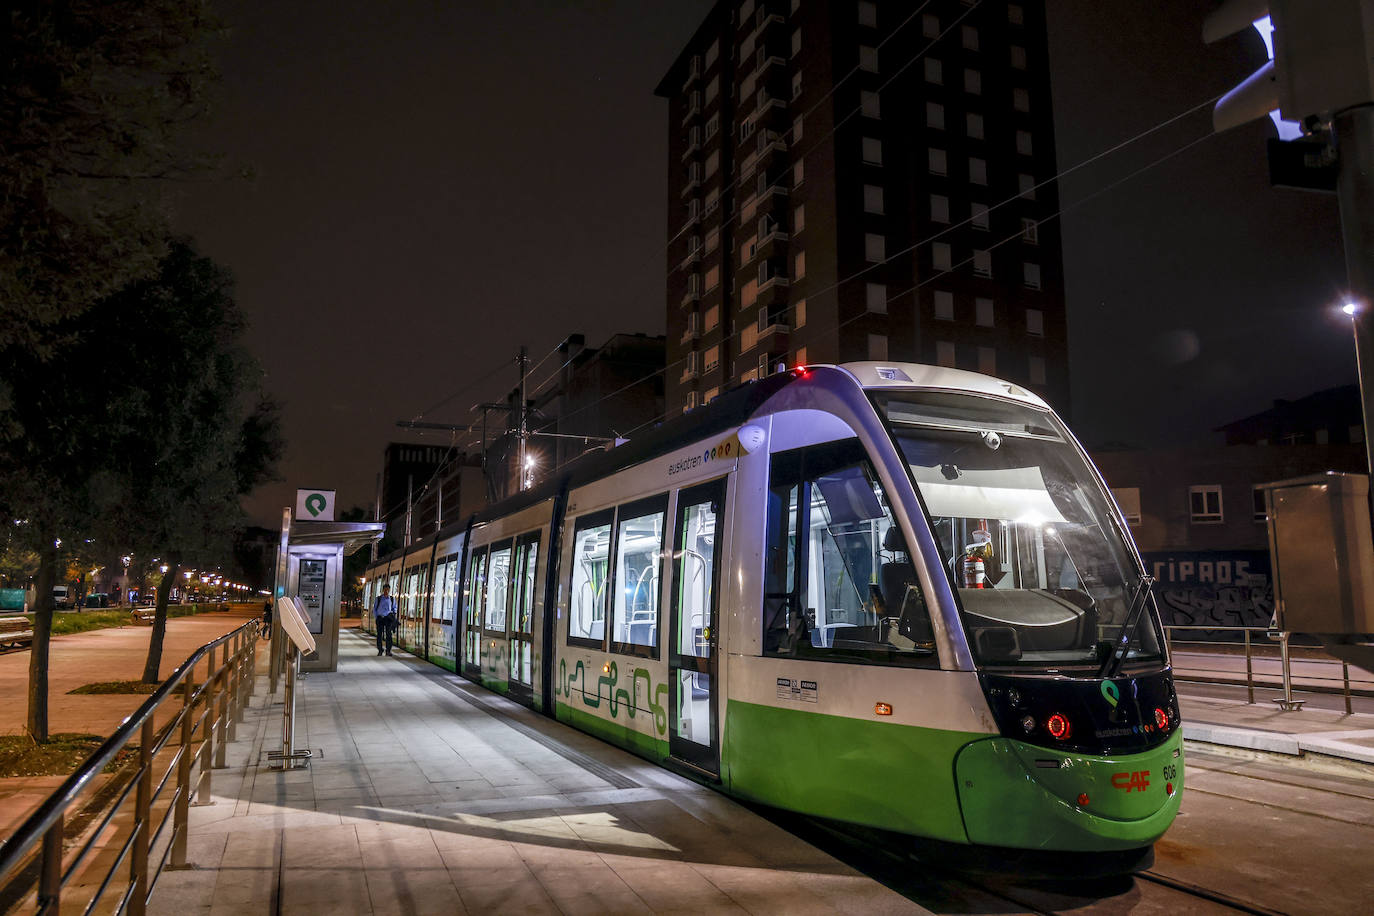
133	847
1285	661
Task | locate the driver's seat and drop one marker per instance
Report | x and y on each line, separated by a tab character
894	578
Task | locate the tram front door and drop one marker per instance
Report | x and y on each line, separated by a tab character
697	536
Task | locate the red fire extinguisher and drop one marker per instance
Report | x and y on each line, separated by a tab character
975	573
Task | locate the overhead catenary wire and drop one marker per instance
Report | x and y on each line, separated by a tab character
1097	157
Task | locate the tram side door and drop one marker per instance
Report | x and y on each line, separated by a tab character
693	733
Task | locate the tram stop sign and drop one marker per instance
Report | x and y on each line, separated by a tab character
315	505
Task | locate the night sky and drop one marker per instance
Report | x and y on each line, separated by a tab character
434	184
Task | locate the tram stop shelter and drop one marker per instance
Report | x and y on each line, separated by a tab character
310	568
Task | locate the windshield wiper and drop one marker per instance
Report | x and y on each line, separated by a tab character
1122	644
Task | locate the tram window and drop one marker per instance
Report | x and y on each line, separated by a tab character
638	569
498	589
590	574
446	589
477	588
695	579
526	560
839	583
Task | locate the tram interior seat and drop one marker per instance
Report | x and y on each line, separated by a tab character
901	594
1040	620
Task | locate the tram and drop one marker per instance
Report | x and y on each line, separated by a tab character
891	595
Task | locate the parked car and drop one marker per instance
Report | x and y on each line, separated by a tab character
61	596
98	599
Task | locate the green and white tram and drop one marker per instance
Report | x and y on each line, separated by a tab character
891	595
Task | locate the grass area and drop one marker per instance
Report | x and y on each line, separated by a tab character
59	756
110	687
67	622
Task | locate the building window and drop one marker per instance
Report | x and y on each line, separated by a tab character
875	297
712	318
873	199
1030	275
798	173
746	10
796	42
1261	511
938	163
713	278
877	346
712	240
869	104
982	263
868	13
930	26
977	170
982	310
973	82
868	59
712	53
940	256
939	208
796	86
1035	323
711	359
970	35
1018	57
1204	504
710	395
875	247
1023	142
712	89
712	163
1030	231
799	218
801	356
1015	15
799	314
797	129
873	151
1027	185
973	125
712	125
935	115
944	305
944	353
987	360
1128	500
979	216
1037	370
935	73
691	402
1020	99
799	265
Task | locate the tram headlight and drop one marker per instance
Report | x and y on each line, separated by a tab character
1058	727
1028	723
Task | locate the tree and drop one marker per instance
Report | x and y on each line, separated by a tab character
92	98
183	432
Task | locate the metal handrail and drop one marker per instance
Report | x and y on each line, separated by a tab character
46	825
1285	661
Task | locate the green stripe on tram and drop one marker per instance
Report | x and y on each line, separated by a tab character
881	774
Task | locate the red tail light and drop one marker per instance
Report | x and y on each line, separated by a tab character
1057	726
1161	718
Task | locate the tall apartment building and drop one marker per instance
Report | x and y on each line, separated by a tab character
855	180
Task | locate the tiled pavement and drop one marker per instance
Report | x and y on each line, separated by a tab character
429	795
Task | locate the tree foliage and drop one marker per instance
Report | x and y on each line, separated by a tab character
93	95
146	428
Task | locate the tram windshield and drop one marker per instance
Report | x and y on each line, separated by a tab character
1045	580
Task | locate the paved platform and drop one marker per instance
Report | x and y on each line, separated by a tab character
1311	732
430	795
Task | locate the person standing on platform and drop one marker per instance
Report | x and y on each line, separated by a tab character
384	617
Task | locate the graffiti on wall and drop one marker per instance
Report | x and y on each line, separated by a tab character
1224	588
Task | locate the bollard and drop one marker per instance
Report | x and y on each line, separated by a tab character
180	820
1345	677
143	816
1249	671
1287	704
